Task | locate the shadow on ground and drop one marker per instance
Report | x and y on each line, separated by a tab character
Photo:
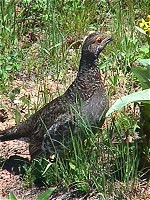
15	165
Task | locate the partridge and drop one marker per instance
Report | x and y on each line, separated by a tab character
49	130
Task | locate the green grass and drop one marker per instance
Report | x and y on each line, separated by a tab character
93	165
34	39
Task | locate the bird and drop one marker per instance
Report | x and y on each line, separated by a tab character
49	129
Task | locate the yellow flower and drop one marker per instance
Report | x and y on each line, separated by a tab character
144	25
148	31
147	24
148	18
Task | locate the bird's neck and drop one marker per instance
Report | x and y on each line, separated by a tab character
88	61
88	79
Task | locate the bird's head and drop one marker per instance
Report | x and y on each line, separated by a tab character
95	43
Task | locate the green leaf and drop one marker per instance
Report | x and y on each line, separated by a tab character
140	30
143	75
134	97
144	49
47	167
72	166
144	62
11	196
45	195
8	68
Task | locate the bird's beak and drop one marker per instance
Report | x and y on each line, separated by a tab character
107	40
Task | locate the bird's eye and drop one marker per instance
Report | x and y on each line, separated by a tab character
98	39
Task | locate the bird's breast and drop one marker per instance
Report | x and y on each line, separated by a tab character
95	106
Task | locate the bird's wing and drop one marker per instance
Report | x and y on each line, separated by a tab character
35	149
56	137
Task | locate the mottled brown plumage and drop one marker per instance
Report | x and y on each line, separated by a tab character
3	115
49	128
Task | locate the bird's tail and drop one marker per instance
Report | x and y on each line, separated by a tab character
14	132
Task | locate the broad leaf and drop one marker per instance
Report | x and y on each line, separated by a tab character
140	30
45	195
143	75
144	62
139	96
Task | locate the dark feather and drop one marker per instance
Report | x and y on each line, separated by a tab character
50	128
